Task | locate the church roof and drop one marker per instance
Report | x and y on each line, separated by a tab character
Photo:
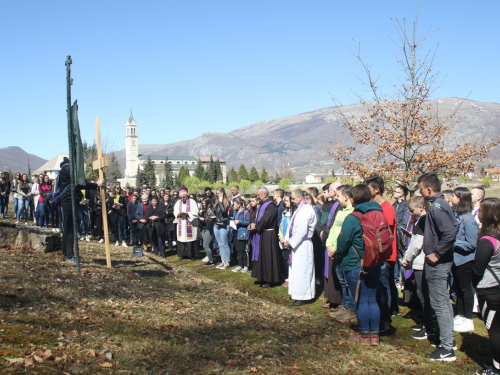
131	119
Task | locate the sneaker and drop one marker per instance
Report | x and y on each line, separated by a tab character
124	244
244	270
101	241
435	342
82	239
71	260
220	266
205	259
457	320
420	335
360	338
117	243
26	223
225	267
418	327
209	264
335	312
54	230
384	326
174	243
237	269
441	354
347	317
17	222
488	370
87	239
464	325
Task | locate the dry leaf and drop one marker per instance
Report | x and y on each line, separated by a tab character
92	353
105	364
15	360
38	359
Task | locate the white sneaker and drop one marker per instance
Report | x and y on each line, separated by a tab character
205	260
174	243
466	325
244	270
457	320
82	239
117	243
87	239
17	222
54	230
225	266
101	241
237	269
124	244
220	266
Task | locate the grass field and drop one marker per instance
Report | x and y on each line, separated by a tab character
154	316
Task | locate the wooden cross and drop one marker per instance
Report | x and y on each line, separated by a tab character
100	163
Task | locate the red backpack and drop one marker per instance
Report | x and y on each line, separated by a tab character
377	237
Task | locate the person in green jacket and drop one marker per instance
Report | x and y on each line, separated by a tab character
351	235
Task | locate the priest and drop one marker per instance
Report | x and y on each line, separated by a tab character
301	274
266	252
186	217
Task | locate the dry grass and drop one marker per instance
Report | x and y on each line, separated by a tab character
151	316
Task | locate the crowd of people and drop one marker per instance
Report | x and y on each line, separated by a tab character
442	245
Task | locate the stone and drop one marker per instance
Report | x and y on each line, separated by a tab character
39	239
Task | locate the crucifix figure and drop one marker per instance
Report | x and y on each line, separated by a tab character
99	164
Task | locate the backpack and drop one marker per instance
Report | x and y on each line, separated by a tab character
377	238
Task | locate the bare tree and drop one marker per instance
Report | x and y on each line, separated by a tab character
405	135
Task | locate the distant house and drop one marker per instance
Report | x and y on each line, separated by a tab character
494	173
52	167
317	178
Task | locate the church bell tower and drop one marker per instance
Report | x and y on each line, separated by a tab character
131	147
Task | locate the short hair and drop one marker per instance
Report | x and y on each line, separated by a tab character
155	198
360	194
236	186
168	188
416	201
376	182
280	192
264	190
208	188
448	193
431	181
254	196
464	200
345	190
404	188
144	197
148	187
422	176
299	192
313	191
326	187
481	189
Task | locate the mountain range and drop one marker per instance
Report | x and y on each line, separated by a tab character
16	159
301	142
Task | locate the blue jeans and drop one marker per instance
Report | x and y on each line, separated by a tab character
42	213
23	205
221	236
83	220
16	205
347	299
367	309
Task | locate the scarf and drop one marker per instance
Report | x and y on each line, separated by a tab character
189	227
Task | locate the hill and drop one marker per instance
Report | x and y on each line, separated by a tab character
303	140
16	159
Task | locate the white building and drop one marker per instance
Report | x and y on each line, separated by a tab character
52	167
133	160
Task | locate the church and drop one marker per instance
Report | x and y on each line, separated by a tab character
134	160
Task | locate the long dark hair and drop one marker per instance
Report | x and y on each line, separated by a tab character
489	215
464	200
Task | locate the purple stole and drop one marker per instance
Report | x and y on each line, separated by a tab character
290	229
329	223
256	236
189	227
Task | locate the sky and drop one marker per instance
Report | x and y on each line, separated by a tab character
189	67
